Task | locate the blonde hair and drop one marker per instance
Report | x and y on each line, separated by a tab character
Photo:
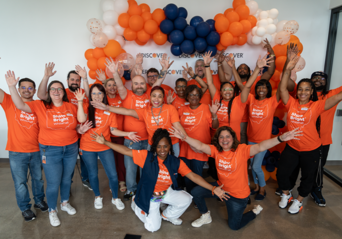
106	81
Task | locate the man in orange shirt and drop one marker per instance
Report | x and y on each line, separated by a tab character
22	144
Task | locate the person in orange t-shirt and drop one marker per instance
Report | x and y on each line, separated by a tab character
158	183
304	113
23	147
231	162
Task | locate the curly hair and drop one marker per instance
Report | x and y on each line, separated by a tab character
158	135
191	88
215	139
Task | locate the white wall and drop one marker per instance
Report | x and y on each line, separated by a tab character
35	32
335	3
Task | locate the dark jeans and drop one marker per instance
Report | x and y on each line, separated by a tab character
196	166
212	171
235	207
290	160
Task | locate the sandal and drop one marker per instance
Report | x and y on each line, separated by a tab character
123	187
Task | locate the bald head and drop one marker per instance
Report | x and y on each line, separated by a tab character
138	85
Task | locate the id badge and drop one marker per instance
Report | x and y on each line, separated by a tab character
44	159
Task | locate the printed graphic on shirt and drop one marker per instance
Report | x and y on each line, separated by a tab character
258	113
140	104
226	166
223	112
300	118
59	120
158	121
191	120
163	176
24	119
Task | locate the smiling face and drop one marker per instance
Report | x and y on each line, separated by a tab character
243	71
180	89
96	95
111	88
74	81
157	98
227	92
199	68
304	92
225	140
138	85
56	92
262	92
319	82
163	148
26	90
194	98
152	78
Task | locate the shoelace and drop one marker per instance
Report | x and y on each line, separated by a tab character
28	213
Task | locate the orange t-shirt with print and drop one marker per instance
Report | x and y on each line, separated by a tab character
104	120
261	118
117	102
57	125
197	124
164	180
304	117
166	90
22	134
179	102
232	169
72	98
206	98
131	124
163	117
236	113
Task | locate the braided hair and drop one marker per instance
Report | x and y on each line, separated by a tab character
158	135
230	102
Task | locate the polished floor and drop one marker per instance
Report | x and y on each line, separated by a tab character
335	169
311	222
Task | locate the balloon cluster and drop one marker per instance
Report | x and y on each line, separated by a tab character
270	164
277	124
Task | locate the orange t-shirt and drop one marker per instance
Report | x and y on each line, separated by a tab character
72	98
57	125
179	102
261	118
131	124
327	118
22	135
103	120
164	180
304	117
236	113
166	116
232	169
117	102
206	99
196	124
166	90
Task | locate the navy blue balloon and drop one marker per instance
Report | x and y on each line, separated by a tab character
200	44
176	37
203	29
264	162
127	75
182	12
171	11
195	21
275	130
190	33
180	23
270	167
275	154
211	48
213	38
211	23
176	50
271	160
187	47
280	124
166	26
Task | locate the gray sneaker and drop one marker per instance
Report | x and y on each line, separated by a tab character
87	184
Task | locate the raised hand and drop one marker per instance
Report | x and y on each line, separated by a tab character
214	107
185	75
207	59
230	60
101	75
165	62
49	69
132	136
139	59
99	105
292	51
219	57
292	62
188	70
293	134
138	70
174	132
221	193
263	62
81	71
268	47
85	127
79	95
111	65
10	78
97	138
170	98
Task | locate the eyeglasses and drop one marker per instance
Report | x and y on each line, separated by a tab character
24	88
59	89
317	78
152	76
94	94
183	87
194	95
228	89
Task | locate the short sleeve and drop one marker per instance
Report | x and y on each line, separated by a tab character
239	102
34	105
213	150
128	96
113	122
320	104
6	102
139	157
174	114
289	102
244	151
183	169
141	113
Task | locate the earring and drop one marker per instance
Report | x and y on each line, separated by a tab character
155	153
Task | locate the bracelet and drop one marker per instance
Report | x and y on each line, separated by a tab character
279	139
212	190
207	66
183	139
271	55
214	118
194	77
80	100
219	65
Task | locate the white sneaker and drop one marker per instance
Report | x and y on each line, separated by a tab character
296	207
98	203
133	205
175	221
285	199
257	209
118	203
68	208
54	220
204	219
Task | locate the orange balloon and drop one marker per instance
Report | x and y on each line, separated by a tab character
236	28
242	39
144	7
130	35
159	38
276	76
280	61
280	50
139	42
293	38
232	16
221	24
136	23
218	16
243	11
142	36
228	10
274	92
88	54
132	2
92	64
151	27
252	20
237	3
122	51
220	47
226	39
300	47
134	10
123	20
273	84
92	75
247	26
158	15
280	113
235	40
98	53
266	173
112	49
101	63
146	16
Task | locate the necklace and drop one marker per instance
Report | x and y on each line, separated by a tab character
157	121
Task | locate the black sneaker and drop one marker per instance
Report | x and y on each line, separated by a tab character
128	195
87	184
42	205
28	215
317	196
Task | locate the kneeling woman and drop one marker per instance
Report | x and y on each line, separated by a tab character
231	162
159	179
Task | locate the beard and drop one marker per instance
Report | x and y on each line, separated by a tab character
320	88
73	87
141	91
245	75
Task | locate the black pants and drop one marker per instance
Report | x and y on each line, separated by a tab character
290	160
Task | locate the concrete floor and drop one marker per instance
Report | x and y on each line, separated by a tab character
311	222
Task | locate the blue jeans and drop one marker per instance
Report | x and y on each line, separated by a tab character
196	166
108	162
59	166
131	167
256	162
235	207
84	171
20	163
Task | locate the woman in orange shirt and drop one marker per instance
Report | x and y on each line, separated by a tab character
158	183
231	162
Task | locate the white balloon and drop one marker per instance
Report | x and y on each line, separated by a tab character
273	43
121	40
253	7
109	31
263	15
92	39
275	21
94	25
108	5
280	25
254	30
291	26
271	28
256	40
250	38
121	6
260	31
110	17
119	30
273	13
268	37
257	13
262	23
270	20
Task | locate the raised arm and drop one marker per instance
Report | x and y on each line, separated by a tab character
292	51
18	102
207	60
2	95
83	74
224	70
138	65
213	109
231	62
81	116
270	71
101	76
165	63
116	110
113	67
332	101
131	135
42	89
189	70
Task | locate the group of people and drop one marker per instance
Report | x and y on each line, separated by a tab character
170	137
